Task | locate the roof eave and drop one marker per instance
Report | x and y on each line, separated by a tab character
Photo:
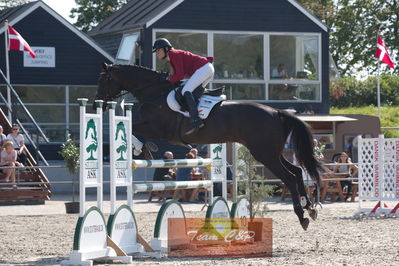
312	17
66	23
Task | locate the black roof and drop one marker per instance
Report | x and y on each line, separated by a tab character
134	15
13	12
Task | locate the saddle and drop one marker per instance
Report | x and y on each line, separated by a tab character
197	93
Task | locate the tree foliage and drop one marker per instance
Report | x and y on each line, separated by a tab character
252	184
90	12
11	3
354	25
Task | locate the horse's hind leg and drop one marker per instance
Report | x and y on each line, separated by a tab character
297	171
273	163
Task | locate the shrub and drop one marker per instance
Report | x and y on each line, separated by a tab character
349	92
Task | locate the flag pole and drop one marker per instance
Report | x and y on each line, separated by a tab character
8	81
378	92
378	81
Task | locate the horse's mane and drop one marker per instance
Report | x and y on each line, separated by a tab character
151	84
137	68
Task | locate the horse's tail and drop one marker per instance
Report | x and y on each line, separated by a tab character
302	140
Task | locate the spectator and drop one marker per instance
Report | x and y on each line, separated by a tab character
319	156
194	151
18	141
184	174
8	157
280	72
351	170
308	110
250	72
163	175
2	137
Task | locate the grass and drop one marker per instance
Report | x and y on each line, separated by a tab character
389	116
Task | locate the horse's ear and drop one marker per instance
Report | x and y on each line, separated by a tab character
105	66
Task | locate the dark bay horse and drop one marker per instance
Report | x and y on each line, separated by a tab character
262	129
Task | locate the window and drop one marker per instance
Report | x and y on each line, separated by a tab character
289	70
238	56
193	42
127	48
294	92
243	91
41	94
294	57
325	139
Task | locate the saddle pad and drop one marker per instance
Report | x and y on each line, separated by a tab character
206	104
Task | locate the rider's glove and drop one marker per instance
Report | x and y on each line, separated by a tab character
165	76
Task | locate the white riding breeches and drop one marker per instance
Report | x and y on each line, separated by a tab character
203	76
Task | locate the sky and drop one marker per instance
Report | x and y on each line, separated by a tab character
62	7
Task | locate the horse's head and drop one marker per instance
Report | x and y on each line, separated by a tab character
143	83
109	84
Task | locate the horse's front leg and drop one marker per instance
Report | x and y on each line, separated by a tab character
140	144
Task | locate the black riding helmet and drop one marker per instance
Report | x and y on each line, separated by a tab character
161	43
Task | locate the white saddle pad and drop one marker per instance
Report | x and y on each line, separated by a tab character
206	104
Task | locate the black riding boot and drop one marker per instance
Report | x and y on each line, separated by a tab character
192	109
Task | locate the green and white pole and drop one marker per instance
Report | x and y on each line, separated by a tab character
173	185
171	163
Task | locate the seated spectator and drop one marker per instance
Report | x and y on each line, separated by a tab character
3	137
280	72
197	170
18	141
250	72
163	174
184	174
8	157
351	170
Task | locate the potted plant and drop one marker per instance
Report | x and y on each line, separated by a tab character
70	153
252	186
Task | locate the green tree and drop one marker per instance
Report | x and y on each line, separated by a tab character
353	30
11	3
217	150
252	183
123	147
90	12
91	129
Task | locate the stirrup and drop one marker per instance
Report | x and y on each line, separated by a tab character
195	126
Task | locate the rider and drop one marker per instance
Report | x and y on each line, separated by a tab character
197	68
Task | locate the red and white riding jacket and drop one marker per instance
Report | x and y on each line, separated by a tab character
185	64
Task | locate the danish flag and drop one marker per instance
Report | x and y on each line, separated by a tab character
382	53
16	42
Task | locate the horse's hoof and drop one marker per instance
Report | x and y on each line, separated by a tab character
147	154
313	214
305	223
151	146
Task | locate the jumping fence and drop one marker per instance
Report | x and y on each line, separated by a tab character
119	238
379	176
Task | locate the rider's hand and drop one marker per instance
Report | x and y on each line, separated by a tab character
165	76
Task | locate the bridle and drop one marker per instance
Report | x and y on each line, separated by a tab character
107	97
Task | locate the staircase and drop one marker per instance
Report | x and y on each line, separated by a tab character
40	190
24	193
